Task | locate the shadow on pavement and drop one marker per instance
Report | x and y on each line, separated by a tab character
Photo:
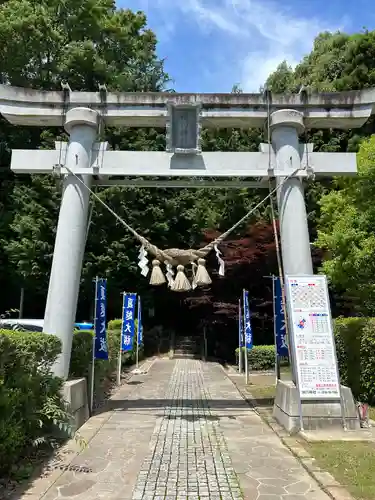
186	404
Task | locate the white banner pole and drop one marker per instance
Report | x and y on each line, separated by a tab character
119	359
93	348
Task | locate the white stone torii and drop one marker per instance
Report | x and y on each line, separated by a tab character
81	113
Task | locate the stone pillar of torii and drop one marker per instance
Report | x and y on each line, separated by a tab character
183	116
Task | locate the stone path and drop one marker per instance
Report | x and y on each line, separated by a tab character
182	431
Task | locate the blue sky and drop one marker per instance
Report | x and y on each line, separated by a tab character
210	45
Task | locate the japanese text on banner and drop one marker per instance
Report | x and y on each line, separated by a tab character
101	347
280	327
247	322
128	323
140	327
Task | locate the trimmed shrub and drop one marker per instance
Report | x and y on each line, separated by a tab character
355	347
30	402
80	363
261	357
115	324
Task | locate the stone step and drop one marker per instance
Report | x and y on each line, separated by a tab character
186	356
183	351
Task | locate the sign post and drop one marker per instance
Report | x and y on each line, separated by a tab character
317	375
248	332
99	344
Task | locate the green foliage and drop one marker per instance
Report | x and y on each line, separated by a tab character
261	357
115	324
30	405
355	346
81	357
80	363
85	43
345	232
338	62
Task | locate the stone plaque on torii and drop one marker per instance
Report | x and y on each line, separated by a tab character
183	116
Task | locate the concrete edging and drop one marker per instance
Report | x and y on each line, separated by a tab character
324	479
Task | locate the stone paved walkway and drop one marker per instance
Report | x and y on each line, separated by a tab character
183	431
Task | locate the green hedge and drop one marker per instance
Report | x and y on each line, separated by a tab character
355	346
80	363
261	357
29	394
116	324
30	401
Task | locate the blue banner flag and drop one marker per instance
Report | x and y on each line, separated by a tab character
140	326
247	323
101	347
280	327
128	323
240	329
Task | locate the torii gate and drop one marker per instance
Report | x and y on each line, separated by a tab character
183	115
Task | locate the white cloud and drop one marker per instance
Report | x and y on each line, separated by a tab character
259	33
257	66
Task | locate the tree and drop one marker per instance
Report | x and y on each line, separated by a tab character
86	43
337	62
282	79
42	44
346	233
248	258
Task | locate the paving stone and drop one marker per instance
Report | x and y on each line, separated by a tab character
184	433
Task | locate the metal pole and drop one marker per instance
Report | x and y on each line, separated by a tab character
22	300
205	343
277	361
93	349
119	359
246	367
239	338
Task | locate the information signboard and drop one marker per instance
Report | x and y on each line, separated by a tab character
313	341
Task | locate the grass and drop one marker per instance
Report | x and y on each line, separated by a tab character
351	463
372	413
260	392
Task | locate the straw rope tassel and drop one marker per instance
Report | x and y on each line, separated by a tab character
157	276
202	278
181	283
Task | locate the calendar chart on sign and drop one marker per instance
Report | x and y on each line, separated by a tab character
313	342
